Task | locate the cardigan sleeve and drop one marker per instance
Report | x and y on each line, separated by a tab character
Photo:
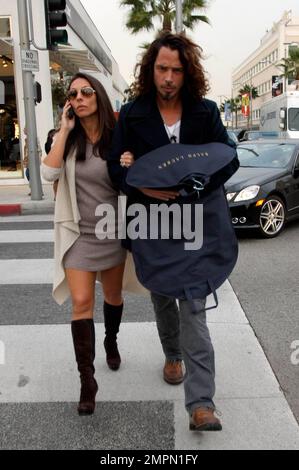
49	173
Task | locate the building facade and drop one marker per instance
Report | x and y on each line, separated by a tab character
261	70
86	51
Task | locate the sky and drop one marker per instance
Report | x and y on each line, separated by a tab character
236	29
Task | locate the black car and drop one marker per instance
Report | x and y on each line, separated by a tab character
264	193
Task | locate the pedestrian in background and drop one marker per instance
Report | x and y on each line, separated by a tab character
78	158
170	107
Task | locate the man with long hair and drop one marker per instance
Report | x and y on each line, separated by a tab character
170	107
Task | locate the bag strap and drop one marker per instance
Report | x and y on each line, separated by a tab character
188	295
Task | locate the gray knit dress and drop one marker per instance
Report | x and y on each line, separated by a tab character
93	188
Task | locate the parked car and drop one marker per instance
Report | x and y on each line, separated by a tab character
255	135
264	193
237	132
233	136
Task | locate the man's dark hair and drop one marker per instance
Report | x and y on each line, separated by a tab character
77	137
190	55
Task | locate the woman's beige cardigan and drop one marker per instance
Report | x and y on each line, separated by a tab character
66	229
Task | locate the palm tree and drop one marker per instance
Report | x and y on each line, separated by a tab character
248	89
130	93
288	71
288	68
235	106
253	93
143	13
290	65
294	59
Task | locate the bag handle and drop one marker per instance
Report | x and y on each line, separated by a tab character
193	185
190	299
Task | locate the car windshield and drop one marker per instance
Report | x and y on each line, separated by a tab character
252	135
265	155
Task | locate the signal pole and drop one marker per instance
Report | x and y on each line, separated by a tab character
29	105
179	17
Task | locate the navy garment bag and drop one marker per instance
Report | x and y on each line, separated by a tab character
197	172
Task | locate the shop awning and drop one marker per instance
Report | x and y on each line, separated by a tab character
74	59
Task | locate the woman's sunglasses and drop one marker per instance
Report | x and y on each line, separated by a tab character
86	91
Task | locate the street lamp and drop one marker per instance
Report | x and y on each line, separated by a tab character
264	61
250	102
222	96
234	84
232	100
221	101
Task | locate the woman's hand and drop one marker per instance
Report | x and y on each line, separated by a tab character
127	159
67	123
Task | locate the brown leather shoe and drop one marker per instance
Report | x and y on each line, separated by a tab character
173	372
203	419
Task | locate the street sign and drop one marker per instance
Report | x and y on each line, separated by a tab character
29	60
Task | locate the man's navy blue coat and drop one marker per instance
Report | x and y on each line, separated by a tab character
140	129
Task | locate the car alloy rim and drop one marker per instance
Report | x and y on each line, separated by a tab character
272	217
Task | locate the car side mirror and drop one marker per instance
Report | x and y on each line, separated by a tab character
296	172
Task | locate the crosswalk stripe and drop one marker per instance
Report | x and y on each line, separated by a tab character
26	271
32	349
27	218
37	364
26	236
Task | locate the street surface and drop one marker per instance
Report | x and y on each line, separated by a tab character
136	409
266	281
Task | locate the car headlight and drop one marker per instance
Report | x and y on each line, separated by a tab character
248	193
229	196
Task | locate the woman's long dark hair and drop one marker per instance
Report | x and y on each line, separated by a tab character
190	56
77	137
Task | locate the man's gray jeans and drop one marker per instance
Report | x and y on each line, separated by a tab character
184	334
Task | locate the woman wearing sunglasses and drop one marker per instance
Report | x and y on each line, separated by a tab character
78	158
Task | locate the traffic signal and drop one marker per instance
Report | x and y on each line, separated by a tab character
55	18
37	92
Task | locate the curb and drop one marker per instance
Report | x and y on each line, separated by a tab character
27	208
10	209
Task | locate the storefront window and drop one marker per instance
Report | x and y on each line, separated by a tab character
10	159
5	29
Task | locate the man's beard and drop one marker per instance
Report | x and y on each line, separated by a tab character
167	96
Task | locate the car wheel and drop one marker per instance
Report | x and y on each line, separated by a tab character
272	217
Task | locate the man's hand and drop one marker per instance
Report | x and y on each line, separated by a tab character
159	194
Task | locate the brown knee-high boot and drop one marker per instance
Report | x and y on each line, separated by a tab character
84	345
112	317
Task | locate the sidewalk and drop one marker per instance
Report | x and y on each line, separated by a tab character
15	200
255	413
139	409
